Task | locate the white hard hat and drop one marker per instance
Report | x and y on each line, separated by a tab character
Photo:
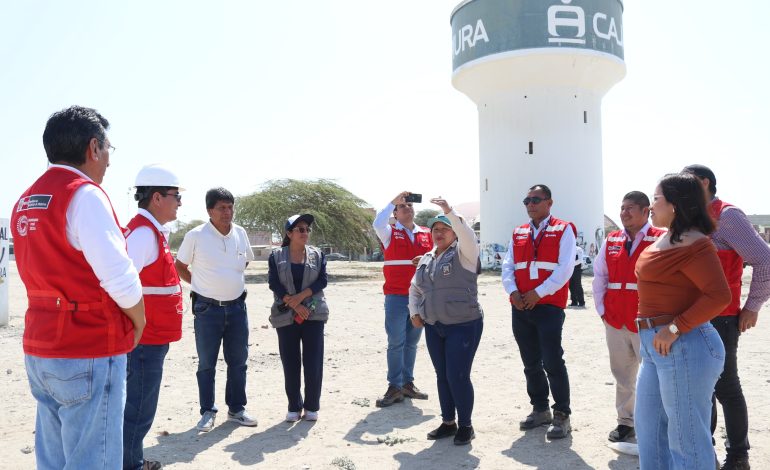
157	175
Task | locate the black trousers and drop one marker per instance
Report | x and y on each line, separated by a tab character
729	392
576	287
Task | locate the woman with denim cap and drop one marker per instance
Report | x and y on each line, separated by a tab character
443	297
297	277
681	288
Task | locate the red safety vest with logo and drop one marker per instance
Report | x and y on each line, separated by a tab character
732	264
541	254
621	302
162	291
398	268
69	314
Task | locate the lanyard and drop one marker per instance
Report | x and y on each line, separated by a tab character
536	241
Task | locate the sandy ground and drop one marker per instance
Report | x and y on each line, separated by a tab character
352	432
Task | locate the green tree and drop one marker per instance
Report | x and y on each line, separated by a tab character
422	217
175	240
342	219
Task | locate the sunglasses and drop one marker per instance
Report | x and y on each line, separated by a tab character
175	195
302	229
404	206
534	200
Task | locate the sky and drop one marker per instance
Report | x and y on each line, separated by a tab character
236	93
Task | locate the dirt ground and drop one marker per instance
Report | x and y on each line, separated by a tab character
351	432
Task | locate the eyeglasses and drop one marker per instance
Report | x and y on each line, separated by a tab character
302	229
404	206
112	148
534	200
176	195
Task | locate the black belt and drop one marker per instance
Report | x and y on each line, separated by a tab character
222	303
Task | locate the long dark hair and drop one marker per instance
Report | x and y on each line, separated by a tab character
686	194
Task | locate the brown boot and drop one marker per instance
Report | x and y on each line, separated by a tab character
393	395
411	391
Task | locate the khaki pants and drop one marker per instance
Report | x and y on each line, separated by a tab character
624	363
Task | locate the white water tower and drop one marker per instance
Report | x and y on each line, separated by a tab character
537	71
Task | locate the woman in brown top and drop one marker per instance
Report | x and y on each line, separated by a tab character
681	287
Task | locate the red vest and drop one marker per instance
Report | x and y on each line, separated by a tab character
732	263
524	248
398	269
621	302
162	291
69	314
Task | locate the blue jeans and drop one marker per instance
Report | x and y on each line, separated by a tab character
538	334
310	335
673	400
228	326
79	411
402	340
144	374
452	349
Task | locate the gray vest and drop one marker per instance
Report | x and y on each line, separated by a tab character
452	295
312	270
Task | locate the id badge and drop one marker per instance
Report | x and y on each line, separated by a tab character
533	274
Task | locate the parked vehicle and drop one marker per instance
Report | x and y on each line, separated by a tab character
336	257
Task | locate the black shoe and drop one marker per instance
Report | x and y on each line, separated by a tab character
392	395
409	390
464	435
560	426
736	462
535	419
445	430
621	433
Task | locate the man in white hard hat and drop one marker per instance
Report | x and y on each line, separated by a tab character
158	197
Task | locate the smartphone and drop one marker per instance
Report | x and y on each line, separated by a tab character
413	197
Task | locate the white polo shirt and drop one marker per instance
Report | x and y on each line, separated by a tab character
216	261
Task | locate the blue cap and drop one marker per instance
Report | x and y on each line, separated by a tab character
293	220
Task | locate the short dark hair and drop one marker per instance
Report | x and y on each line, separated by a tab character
144	194
702	171
69	131
638	198
543	188
215	195
685	192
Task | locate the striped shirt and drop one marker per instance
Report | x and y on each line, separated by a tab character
735	232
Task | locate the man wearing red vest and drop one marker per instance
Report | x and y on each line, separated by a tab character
85	308
617	302
157	193
403	243
536	270
737	243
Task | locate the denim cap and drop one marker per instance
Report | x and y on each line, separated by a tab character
292	221
441	218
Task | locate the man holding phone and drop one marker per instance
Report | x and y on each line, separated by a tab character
403	243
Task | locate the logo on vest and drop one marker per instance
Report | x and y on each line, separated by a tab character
22	226
446	269
35	201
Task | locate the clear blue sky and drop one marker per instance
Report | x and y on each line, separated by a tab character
234	93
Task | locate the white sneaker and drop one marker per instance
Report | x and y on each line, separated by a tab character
206	423
292	416
242	418
311	415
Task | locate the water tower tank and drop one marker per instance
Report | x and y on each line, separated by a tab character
537	71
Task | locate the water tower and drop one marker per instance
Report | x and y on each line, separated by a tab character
537	71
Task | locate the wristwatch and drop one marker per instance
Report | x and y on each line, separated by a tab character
673	328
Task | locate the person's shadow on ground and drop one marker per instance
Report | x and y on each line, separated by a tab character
535	450
280	436
442	454
184	446
384	420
